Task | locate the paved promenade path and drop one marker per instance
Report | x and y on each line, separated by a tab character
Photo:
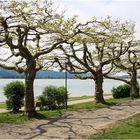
74	124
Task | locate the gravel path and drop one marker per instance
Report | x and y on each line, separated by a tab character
74	124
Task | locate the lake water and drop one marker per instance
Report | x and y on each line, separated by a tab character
76	87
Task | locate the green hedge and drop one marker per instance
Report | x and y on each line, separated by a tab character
52	98
121	91
14	92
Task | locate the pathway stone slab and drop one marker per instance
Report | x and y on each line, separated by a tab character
71	125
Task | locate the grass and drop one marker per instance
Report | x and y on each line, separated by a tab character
83	97
2	105
10	117
128	129
118	100
60	112
80	98
19	118
87	105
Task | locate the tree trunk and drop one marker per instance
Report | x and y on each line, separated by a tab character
30	73
134	92
99	87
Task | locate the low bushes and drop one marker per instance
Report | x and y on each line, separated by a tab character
14	92
52	98
121	91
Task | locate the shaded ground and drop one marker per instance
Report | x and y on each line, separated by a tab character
74	124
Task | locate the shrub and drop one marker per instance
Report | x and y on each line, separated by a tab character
121	91
14	92
52	98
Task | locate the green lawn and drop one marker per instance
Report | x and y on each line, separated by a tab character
83	97
19	118
13	118
80	98
128	129
2	105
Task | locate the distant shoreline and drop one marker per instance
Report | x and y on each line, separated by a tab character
10	74
55	78
35	78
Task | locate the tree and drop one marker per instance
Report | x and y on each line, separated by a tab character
130	63
29	31
90	53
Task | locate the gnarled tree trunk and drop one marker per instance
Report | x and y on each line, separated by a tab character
99	86
134	92
30	74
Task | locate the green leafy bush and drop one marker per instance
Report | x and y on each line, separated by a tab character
52	98
14	92
121	91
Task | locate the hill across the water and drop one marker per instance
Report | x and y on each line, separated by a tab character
40	74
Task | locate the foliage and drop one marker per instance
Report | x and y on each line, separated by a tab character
29	32
14	92
128	63
52	98
121	91
91	52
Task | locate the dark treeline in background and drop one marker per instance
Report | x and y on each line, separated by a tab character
43	74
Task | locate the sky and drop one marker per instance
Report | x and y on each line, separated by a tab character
117	9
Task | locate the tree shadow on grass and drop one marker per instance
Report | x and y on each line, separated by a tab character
39	116
110	103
